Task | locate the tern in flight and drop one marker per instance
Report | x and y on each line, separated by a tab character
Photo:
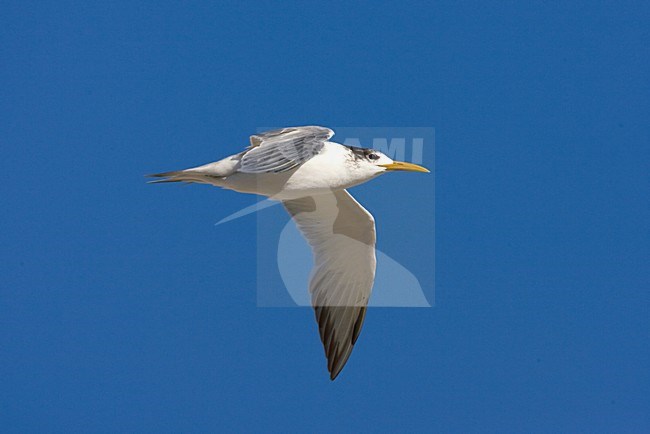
300	167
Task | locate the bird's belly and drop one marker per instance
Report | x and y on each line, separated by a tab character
286	185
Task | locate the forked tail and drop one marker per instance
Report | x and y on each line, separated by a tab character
211	173
187	176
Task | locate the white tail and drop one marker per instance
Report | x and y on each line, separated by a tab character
188	176
211	173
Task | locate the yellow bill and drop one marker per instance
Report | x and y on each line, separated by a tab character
401	165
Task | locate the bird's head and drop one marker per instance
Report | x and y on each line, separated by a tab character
377	162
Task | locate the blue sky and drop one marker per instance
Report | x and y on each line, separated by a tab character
123	308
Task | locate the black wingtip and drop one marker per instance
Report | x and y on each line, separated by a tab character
336	371
339	361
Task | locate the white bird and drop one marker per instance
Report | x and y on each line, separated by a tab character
300	167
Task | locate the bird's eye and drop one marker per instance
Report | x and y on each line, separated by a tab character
373	156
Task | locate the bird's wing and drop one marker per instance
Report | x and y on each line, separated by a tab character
342	237
282	150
